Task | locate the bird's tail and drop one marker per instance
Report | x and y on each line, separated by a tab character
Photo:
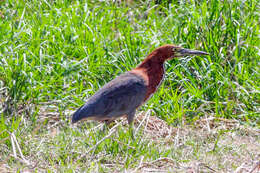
79	114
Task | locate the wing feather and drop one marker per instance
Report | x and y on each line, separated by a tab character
118	97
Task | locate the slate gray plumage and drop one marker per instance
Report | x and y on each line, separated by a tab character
117	98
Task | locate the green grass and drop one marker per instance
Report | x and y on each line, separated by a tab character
56	54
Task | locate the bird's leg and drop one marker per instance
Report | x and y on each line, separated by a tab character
131	131
104	128
130	118
109	121
107	124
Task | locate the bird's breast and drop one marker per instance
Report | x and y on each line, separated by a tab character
152	76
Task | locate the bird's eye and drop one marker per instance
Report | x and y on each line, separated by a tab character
175	49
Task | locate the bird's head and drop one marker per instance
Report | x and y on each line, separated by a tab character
171	51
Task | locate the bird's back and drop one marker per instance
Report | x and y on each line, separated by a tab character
119	97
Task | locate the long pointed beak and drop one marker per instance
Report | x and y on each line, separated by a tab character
185	52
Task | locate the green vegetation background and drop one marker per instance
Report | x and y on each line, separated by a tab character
56	54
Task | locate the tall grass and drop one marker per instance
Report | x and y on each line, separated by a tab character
64	51
56	54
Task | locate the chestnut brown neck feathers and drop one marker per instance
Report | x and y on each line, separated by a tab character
152	68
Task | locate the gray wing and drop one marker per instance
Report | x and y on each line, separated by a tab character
118	97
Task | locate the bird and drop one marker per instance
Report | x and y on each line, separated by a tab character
123	95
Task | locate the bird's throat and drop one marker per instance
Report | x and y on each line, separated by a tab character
153	74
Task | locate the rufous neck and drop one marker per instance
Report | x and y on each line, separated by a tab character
153	72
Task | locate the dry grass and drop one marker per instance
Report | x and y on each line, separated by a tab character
237	145
208	145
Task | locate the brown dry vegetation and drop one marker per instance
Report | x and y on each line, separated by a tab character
207	145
